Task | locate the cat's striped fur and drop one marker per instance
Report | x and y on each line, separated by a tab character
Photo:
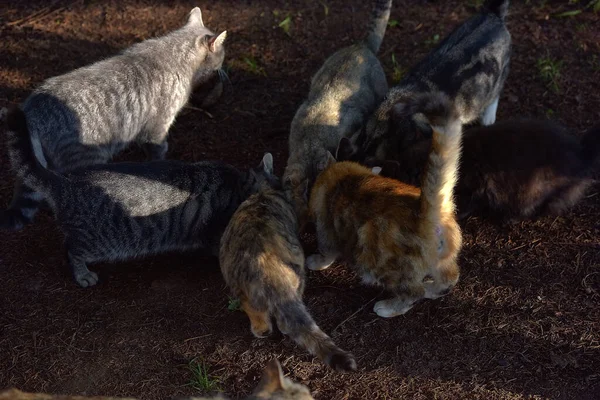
395	234
120	211
470	66
86	116
343	93
262	261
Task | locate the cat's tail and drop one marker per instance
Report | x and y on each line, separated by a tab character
590	148
22	154
498	7
294	320
378	24
441	172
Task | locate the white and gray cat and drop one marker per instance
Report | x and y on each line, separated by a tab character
343	93
120	211
86	116
470	66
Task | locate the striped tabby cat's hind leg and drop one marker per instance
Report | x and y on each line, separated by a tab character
78	264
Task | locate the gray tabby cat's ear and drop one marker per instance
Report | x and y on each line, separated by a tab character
267	163
216	42
195	16
272	379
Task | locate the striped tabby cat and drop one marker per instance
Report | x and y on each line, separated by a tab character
394	234
119	211
86	116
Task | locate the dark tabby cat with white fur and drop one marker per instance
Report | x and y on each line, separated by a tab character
121	211
86	116
262	261
469	66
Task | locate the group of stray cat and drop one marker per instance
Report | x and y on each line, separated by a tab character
365	202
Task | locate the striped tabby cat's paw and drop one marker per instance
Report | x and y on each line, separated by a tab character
86	279
391	308
318	262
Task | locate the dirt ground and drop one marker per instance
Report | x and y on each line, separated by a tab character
524	320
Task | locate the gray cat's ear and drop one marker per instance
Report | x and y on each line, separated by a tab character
267	163
195	16
326	162
215	43
272	379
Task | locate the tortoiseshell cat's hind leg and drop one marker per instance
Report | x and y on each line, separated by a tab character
260	321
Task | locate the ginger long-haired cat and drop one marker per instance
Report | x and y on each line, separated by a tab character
396	235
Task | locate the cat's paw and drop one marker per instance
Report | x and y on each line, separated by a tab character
390	308
317	262
87	279
342	361
261	331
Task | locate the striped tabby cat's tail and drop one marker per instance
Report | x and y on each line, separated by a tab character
294	320
379	20
22	154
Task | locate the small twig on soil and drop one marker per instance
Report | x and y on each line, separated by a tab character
197	337
199	109
354	313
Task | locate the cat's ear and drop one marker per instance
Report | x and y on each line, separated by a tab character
215	43
345	150
325	162
272	379
195	17
267	163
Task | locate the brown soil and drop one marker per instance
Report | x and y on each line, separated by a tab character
524	319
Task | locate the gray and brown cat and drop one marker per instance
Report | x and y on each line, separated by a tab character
120	211
470	66
88	115
343	93
262	261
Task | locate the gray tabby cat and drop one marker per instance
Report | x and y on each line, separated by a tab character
469	66
343	93
262	261
124	210
86	116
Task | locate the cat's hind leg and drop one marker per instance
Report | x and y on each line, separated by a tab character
326	255
260	321
489	114
77	261
22	209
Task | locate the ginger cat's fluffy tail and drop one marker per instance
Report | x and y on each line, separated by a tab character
294	320
441	172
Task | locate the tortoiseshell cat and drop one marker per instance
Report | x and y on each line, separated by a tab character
395	234
470	66
120	211
343	93
272	386
512	169
88	115
262	261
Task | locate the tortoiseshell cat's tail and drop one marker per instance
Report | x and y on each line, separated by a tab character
379	20
294	320
22	154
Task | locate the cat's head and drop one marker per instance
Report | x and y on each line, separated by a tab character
209	48
263	175
275	386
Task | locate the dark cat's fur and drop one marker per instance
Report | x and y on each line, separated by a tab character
469	66
262	261
394	234
343	93
86	116
124	210
512	169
